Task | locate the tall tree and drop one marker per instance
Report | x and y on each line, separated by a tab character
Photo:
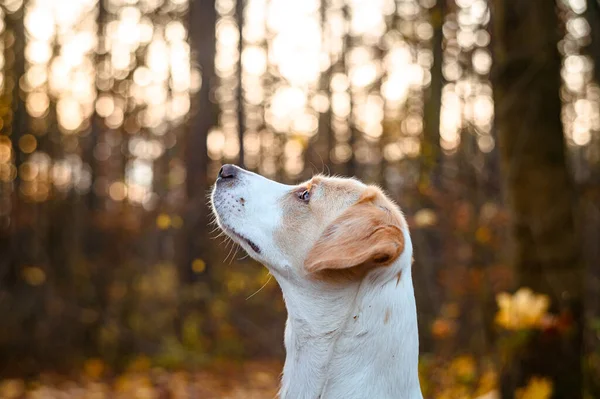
239	13
193	241
593	18
590	213
539	192
429	240
202	16
317	157
12	342
433	102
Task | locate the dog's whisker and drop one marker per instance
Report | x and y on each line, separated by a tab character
230	250
261	288
237	248
323	164
214	230
226	240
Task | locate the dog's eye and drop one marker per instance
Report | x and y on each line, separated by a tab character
304	195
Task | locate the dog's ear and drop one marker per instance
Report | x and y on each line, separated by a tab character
365	235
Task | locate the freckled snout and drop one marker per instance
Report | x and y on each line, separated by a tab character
226	195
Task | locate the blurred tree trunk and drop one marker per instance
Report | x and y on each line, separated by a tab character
593	18
351	165
539	192
193	255
94	243
589	214
317	157
202	36
239	13
590	219
13	304
429	240
430	146
16	127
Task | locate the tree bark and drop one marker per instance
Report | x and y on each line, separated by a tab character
539	193
193	242
239	13
431	152
317	156
593	18
429	241
202	37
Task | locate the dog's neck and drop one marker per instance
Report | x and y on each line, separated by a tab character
357	341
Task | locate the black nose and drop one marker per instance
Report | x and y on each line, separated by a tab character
228	171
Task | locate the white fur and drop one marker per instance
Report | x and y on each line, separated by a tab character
357	340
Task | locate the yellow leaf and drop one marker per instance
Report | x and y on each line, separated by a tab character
163	221
523	310
140	363
12	388
442	328
93	368
537	388
198	265
483	235
425	218
34	275
464	367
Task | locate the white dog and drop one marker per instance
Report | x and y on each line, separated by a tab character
342	254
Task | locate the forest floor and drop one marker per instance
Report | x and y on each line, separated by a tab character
228	379
251	380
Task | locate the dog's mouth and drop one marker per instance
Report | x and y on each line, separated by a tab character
243	238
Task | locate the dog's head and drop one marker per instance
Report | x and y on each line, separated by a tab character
327	226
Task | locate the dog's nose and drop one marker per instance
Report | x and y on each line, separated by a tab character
228	172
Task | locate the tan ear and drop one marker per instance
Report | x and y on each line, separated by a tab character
364	235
